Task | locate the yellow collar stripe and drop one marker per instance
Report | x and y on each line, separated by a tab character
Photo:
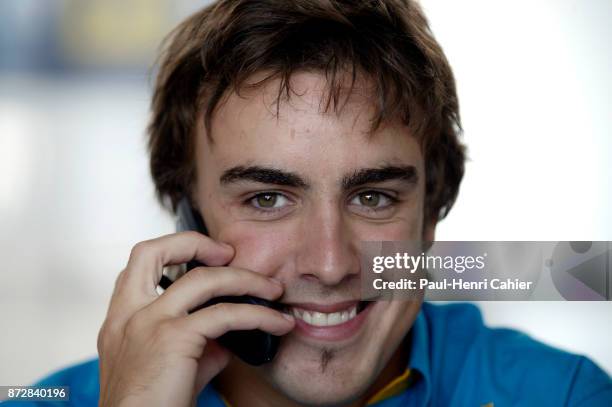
393	388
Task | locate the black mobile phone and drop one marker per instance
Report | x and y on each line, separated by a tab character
254	347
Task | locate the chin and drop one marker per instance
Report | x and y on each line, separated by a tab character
336	386
335	374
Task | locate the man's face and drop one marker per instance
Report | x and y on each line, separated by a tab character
295	194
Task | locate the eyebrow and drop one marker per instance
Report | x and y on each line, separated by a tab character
264	175
407	173
360	177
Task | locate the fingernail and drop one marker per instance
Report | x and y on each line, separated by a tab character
288	317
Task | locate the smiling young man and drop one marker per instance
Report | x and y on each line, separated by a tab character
298	129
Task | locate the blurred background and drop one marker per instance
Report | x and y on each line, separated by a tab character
75	192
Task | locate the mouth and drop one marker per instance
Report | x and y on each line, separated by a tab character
316	315
330	322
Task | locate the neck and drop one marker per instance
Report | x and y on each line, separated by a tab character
243	385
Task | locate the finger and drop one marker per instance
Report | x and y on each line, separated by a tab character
147	259
121	307
203	283
218	319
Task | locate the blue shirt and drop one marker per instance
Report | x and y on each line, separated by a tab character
455	360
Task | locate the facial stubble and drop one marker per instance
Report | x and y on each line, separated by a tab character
326	356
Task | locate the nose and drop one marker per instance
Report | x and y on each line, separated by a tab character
327	251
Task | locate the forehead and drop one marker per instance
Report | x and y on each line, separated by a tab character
301	130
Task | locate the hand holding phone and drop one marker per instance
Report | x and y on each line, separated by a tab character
254	347
153	350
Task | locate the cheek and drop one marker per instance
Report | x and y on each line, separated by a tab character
260	248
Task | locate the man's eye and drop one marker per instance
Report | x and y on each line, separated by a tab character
372	200
269	200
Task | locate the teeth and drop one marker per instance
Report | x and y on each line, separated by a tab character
324	319
345	316
334	319
307	317
319	319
